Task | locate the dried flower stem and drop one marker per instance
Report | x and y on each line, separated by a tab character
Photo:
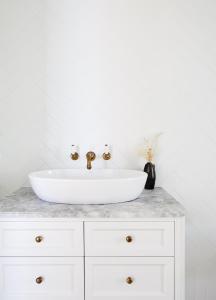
149	155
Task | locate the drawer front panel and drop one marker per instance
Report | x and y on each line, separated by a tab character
131	278
41	239
129	238
41	278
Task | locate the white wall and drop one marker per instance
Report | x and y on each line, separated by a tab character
22	102
117	70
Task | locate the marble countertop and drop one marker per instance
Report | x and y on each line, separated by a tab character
156	203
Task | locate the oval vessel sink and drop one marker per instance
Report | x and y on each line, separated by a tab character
78	186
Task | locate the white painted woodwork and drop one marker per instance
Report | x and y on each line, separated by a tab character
92	258
148	238
58	238
180	259
63	278
153	278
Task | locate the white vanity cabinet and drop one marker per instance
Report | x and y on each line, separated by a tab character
44	238
129	238
92	259
129	278
41	278
41	260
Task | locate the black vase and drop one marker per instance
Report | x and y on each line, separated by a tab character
150	170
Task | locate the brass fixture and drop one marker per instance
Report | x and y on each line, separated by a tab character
129	280
38	239
129	239
90	157
106	154
39	280
74	154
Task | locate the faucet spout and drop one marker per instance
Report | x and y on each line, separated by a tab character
90	157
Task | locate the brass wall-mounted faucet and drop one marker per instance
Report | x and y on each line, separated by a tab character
90	157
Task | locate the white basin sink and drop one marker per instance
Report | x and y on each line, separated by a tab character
78	186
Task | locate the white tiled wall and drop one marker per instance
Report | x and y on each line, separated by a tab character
111	71
22	103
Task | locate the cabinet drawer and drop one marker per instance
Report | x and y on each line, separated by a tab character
41	278
131	278
129	238
41	239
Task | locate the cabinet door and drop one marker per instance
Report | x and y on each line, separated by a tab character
129	238
131	278
41	238
41	278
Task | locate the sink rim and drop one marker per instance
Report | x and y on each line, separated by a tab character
132	174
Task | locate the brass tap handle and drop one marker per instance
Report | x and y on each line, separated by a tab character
106	154
39	280
129	239
129	280
74	155
38	239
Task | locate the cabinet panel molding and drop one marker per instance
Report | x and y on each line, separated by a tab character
131	278
41	278
129	238
41	239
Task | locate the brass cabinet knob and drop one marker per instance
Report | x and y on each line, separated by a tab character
38	239
129	239
129	280
39	280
